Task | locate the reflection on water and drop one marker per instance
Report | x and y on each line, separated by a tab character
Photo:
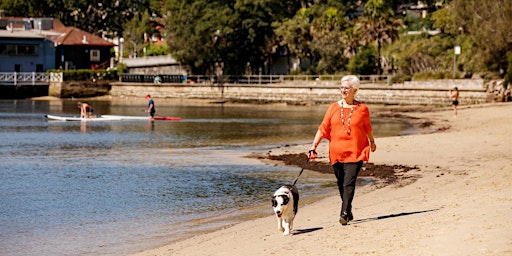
117	187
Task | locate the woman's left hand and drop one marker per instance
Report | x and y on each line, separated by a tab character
373	147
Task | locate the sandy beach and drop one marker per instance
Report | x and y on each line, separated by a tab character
457	202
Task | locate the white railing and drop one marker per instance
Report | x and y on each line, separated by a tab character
327	80
24	78
56	77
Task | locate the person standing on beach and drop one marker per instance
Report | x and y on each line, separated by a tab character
454	95
151	106
346	124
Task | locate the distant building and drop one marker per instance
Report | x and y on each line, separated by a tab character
23	49
164	64
40	44
78	49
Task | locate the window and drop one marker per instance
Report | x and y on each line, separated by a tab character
95	55
25	50
18	50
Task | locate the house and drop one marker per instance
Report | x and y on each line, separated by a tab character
78	49
23	49
40	44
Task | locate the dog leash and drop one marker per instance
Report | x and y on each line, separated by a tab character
301	170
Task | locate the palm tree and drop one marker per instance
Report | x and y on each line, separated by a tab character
378	24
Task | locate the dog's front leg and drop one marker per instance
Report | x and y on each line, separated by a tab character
287	227
280	224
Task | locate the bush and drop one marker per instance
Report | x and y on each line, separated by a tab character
156	50
363	63
87	74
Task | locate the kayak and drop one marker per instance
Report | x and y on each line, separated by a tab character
109	118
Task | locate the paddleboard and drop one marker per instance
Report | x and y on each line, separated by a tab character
110	118
74	118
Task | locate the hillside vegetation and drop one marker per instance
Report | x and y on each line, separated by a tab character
328	37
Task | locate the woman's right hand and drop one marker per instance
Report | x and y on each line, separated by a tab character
312	154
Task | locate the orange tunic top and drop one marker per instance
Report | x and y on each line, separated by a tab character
344	147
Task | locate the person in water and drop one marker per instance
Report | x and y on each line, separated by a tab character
151	106
86	110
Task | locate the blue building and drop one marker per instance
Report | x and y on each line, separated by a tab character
25	50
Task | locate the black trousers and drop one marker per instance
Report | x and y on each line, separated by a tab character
346	173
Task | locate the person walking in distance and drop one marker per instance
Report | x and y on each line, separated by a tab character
454	95
151	106
346	124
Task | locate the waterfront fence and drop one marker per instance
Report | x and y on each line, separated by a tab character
328	80
23	78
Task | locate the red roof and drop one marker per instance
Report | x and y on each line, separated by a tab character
76	36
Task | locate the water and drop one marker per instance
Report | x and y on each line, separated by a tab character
118	187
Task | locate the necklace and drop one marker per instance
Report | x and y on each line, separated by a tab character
347	128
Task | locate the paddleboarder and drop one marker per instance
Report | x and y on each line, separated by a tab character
151	106
85	110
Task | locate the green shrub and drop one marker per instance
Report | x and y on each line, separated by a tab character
87	74
363	63
156	50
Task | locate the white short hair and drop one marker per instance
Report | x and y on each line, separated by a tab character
352	80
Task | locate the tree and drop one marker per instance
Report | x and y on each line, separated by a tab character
488	22
202	33
378	25
296	33
136	33
103	18
194	31
329	40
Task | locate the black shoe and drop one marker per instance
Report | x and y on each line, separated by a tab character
350	216
344	219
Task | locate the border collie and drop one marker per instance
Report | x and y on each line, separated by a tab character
286	204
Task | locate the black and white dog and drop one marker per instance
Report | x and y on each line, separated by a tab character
286	204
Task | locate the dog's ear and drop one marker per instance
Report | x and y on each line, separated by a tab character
274	201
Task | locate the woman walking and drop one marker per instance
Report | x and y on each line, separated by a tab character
346	124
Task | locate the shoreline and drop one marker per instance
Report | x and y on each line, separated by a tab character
435	209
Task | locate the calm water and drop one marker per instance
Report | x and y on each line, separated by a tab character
118	187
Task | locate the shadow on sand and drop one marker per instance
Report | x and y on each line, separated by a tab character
308	230
304	231
390	216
